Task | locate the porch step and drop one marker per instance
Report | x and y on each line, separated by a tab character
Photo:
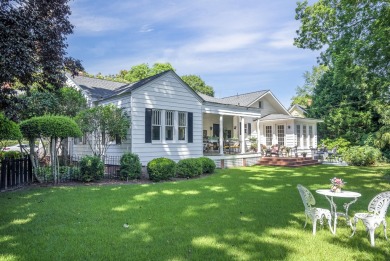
287	162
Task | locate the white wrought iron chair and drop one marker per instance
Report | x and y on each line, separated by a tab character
313	212
377	209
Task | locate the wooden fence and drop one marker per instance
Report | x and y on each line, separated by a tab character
15	173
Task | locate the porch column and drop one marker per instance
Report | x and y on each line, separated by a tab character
221	134
258	136
242	135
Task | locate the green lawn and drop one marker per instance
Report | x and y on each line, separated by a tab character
252	213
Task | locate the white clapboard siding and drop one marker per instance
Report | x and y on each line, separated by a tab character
165	93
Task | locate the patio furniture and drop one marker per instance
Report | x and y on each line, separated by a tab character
274	150
330	195
313	212
377	209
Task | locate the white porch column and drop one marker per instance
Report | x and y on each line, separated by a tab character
258	136
221	134
242	135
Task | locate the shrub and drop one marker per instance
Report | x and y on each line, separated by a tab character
362	155
10	154
161	169
188	168
208	165
130	166
341	144
91	168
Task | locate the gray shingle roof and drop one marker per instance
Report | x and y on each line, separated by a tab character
99	89
245	99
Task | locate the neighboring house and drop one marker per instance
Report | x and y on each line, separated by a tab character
298	111
169	119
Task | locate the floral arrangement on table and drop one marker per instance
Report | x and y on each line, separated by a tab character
337	184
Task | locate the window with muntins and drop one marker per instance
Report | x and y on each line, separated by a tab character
298	135
281	135
156	125
311	136
304	132
169	124
268	135
182	125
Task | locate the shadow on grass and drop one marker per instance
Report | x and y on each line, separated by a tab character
236	214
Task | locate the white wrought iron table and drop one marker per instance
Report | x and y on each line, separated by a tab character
329	195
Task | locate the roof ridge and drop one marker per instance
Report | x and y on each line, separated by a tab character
244	94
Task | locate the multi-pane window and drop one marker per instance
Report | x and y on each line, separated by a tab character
298	135
268	135
156	125
311	136
281	135
304	132
182	125
169	124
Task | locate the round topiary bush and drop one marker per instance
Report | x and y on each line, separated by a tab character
362	155
188	168
208	165
130	166
161	169
91	168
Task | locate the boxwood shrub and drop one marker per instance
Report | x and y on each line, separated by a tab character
161	169
208	165
130	166
188	168
91	168
362	155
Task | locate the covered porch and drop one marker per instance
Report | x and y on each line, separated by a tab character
230	130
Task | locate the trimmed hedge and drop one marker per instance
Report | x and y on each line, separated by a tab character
208	165
130	166
11	154
91	168
188	168
161	169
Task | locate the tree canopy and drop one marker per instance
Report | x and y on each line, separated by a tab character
197	84
353	95
143	70
9	130
33	46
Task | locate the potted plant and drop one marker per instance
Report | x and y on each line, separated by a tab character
304	154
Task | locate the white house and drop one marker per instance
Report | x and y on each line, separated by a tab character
169	119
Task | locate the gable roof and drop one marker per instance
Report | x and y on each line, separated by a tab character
276	117
102	89
298	107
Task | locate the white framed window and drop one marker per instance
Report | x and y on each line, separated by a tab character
298	127
268	135
182	128
169	124
311	136
304	133
156	125
281	135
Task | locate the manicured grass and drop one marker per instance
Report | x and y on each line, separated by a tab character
250	213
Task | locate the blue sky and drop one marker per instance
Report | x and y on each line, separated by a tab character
234	46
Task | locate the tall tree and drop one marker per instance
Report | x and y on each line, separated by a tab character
33	46
197	84
304	93
353	37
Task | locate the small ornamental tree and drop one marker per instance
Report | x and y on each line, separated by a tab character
53	127
102	124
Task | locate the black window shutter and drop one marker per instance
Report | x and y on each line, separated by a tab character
148	125
249	128
190	127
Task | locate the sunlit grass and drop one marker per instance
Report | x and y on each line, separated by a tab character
236	214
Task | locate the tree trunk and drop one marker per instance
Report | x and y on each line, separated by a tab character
53	159
34	159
